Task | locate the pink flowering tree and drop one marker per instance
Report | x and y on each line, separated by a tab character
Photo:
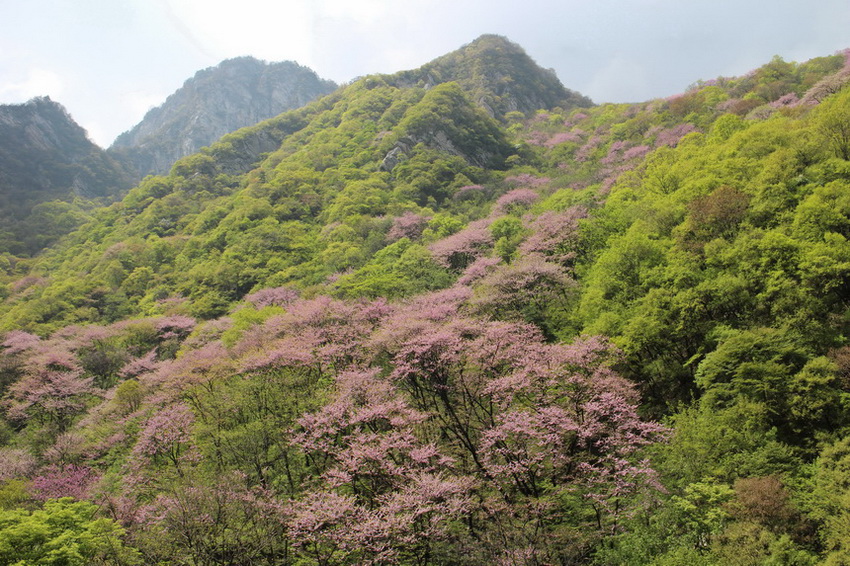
171	331
138	366
245	416
478	269
563	137
70	480
515	200
14	348
16	463
585	152
470	193
462	248
384	496
166	435
17	341
555	234
671	136
828	85
531	289
52	390
275	296
409	225
567	436
547	430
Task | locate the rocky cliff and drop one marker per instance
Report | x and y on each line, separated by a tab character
236	93
46	157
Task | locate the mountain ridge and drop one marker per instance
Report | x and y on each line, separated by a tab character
45	156
218	100
500	77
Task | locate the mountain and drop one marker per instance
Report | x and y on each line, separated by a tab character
46	157
417	322
499	76
51	174
380	146
236	93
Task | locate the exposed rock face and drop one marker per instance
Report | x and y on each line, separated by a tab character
44	151
216	101
46	156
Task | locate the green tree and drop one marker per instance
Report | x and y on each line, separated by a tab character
63	533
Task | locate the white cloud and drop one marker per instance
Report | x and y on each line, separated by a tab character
224	29
37	82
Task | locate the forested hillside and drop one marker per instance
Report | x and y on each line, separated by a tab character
459	315
51	176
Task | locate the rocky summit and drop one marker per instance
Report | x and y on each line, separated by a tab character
236	93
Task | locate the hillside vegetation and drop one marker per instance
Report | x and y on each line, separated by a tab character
436	325
51	177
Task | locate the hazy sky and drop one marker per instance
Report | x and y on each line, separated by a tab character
109	61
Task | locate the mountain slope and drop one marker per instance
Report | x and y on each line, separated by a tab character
47	157
416	334
234	94
499	76
331	165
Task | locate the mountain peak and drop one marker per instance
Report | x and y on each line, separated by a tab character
46	156
500	77
218	100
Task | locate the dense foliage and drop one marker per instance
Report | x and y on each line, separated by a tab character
419	332
51	176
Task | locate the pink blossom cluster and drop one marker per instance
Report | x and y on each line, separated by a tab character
788	100
478	269
275	296
575	119
828	85
526	180
563	137
17	341
584	152
15	463
671	136
55	481
555	234
409	225
165	432
520	198
615	151
140	365
175	326
537	137
462	248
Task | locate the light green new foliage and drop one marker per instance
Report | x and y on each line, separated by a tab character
63	533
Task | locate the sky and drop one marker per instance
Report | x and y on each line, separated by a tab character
109	61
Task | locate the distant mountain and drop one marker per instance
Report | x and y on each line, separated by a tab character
374	149
236	93
46	156
495	74
499	76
